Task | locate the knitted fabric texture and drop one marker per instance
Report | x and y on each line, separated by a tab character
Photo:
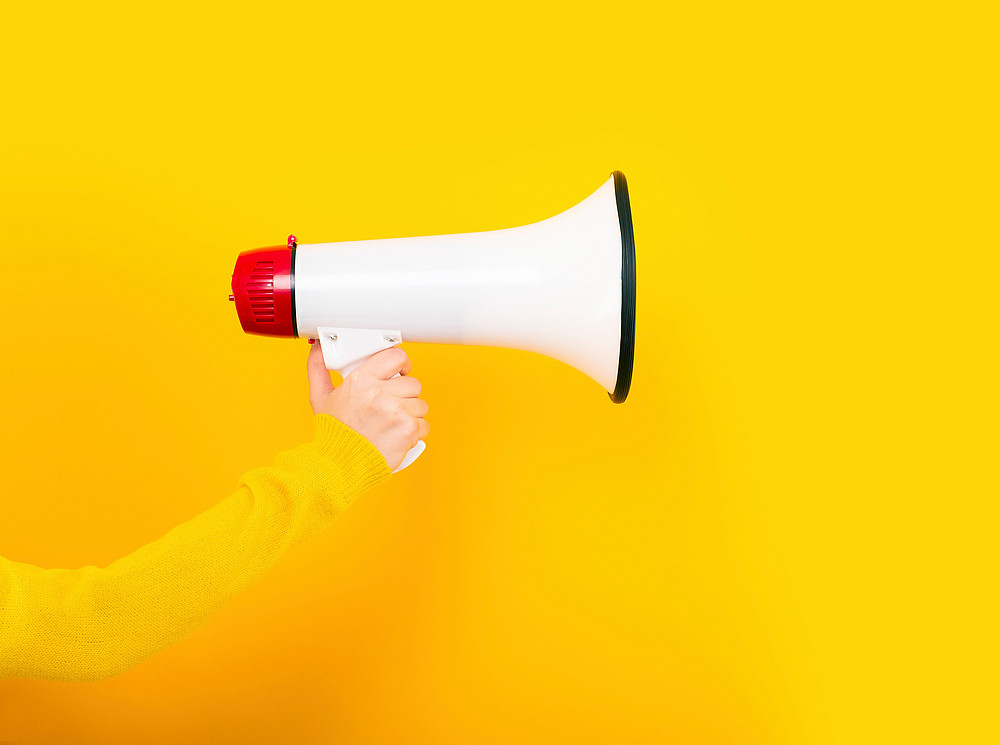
91	623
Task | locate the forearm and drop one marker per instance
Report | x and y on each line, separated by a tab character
89	623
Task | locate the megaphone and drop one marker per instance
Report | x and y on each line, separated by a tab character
563	287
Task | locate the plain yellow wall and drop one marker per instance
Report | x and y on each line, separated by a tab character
787	534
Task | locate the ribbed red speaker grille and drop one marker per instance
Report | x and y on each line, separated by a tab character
260	290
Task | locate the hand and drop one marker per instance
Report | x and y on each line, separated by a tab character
387	411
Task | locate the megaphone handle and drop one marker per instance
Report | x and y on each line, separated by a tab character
412	455
356	346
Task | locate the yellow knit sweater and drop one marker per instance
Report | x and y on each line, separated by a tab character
91	623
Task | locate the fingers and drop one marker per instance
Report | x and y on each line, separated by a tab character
408	391
319	376
405	387
416	407
423	429
388	362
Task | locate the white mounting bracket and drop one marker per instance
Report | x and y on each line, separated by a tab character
344	349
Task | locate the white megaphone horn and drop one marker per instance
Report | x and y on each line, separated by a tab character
563	287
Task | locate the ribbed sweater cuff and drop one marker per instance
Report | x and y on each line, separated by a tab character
359	463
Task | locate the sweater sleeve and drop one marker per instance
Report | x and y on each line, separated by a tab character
92	623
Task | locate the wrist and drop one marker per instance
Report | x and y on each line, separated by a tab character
361	464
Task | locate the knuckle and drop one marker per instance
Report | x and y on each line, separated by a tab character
385	404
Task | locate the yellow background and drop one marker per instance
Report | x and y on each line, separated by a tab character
787	534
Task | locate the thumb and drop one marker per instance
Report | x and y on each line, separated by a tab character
319	376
